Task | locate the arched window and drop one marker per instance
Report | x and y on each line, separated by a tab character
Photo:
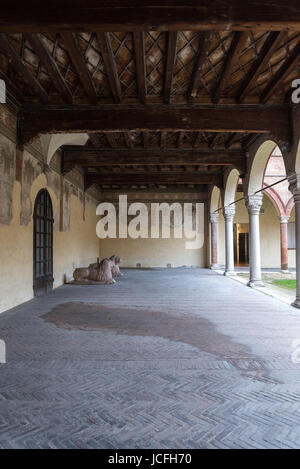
42	244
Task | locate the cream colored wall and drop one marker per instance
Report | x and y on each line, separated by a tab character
78	246
151	252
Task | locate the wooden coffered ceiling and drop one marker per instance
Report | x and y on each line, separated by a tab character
169	92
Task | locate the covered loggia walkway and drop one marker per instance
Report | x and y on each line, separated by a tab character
202	362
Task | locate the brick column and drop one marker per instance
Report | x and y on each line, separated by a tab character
283	243
229	213
253	204
214	221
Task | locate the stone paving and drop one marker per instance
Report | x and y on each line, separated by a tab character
175	358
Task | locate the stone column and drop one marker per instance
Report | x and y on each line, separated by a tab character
229	213
253	204
283	243
214	220
294	187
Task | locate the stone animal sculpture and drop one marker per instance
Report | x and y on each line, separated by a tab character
101	273
116	267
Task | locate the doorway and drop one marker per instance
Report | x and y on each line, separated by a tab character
42	244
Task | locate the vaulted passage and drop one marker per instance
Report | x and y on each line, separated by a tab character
185	356
162	139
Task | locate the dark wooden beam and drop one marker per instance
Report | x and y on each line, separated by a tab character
158	177
140	63
286	68
254	119
111	139
50	65
237	45
18	65
171	56
94	138
203	50
79	63
145	139
89	157
110	64
143	15
11	89
271	44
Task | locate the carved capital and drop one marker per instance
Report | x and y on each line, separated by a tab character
214	217
294	186
229	212
283	218
254	203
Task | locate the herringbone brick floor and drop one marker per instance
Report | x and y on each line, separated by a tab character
180	358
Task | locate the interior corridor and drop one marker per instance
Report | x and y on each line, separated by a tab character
165	358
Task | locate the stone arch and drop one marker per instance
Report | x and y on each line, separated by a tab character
289	206
52	142
257	165
214	199
276	201
231	179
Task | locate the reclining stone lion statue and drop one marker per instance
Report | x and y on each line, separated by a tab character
116	267
101	273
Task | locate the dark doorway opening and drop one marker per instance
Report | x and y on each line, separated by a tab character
42	244
241	244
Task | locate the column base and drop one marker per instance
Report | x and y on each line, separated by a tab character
284	271
214	267
230	273
255	283
296	303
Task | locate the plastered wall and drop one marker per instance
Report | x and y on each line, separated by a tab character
150	252
75	242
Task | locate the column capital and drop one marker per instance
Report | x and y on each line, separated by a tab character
214	217
283	218
254	203
294	185
229	212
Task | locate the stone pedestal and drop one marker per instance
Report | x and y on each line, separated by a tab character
253	204
214	221
283	243
229	213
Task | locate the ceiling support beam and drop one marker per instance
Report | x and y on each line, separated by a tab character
18	65
271	44
89	157
202	53
50	65
251	119
79	63
288	65
145	15
140	63
237	45
171	56
157	177
110	65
